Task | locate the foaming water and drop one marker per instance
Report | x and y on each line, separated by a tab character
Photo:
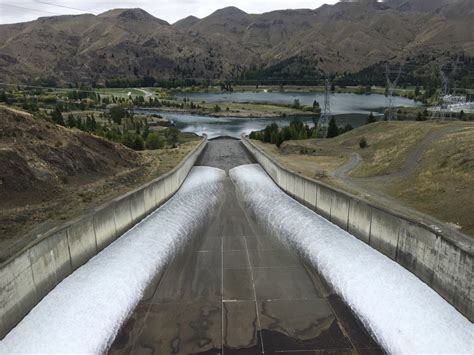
85	311
402	312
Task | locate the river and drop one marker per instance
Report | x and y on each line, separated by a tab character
348	108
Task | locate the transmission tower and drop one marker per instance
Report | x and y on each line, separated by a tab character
323	123
391	85
445	89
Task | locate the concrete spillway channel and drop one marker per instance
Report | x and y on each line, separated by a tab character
231	264
236	289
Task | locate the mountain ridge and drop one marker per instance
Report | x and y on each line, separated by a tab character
230	43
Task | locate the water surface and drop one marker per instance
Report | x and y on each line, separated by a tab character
348	109
340	103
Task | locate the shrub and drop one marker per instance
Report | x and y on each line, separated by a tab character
363	143
333	130
371	118
172	134
154	142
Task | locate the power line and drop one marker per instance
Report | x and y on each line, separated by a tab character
29	8
63	6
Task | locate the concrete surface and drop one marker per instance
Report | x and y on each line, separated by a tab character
441	259
236	290
29	275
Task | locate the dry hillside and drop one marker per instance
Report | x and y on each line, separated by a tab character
130	43
50	173
407	166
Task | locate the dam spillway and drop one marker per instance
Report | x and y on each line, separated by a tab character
232	284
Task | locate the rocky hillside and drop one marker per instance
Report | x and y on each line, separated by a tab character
40	159
132	44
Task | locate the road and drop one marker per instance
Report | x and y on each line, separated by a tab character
237	290
372	187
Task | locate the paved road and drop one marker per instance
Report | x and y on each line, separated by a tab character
237	290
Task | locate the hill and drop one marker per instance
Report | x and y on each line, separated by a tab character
50	173
132	44
416	168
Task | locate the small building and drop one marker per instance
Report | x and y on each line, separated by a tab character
469	95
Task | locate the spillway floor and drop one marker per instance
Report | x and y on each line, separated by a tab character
236	290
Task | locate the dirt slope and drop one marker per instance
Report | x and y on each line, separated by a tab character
39	159
49	174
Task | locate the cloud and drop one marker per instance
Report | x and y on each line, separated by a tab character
12	11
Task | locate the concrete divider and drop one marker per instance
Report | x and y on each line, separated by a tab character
30	274
441	259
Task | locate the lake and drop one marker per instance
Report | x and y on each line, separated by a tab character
347	108
340	103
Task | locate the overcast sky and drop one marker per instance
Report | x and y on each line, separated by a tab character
12	11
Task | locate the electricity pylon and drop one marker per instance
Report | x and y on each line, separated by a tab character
445	89
391	85
323	123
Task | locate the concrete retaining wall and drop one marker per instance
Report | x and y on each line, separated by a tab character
29	275
442	260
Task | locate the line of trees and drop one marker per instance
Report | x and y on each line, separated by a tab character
132	132
296	130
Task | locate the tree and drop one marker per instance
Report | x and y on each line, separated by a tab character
273	133
171	135
71	121
296	104
363	143
3	96
133	141
217	108
315	104
57	116
154	142
417	91
117	113
371	118
267	134
333	131
138	143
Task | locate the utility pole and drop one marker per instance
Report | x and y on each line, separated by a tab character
391	85
323	123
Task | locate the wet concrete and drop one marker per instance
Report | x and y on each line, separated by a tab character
237	290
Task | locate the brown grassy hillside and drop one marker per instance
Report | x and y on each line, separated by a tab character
130	43
49	174
408	167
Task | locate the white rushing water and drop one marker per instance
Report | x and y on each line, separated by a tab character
85	311
404	314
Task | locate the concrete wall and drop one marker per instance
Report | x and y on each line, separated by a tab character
29	275
443	261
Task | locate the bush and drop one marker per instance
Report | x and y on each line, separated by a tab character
363	143
371	118
333	130
133	141
172	134
296	104
117	113
154	142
